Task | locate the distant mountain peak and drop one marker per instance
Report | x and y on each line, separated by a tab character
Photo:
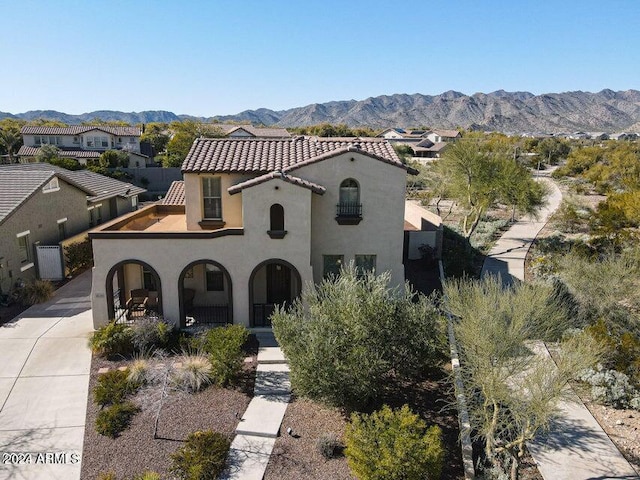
606	110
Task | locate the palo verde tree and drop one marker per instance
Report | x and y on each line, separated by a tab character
478	175
512	389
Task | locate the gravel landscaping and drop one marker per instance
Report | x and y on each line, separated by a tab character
135	450
298	456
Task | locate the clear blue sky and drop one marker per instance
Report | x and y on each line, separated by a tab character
216	57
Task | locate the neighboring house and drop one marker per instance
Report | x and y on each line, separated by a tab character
82	142
42	205
253	221
427	149
438	136
401	135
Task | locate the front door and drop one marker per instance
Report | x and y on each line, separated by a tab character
278	284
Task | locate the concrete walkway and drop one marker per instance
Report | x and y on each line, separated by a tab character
44	380
576	448
257	431
508	254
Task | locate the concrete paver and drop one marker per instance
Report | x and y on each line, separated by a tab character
263	416
270	355
252	454
44	380
14	354
58	356
576	447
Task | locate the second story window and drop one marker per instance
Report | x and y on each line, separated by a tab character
24	246
349	210
276	221
212	198
52	186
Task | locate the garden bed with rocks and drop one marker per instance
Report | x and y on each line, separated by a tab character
299	456
135	450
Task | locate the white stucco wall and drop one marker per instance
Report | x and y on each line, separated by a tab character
380	232
239	255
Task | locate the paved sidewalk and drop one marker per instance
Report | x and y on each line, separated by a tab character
508	254
576	448
260	425
44	380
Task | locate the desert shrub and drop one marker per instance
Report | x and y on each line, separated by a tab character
149	333
224	347
610	387
138	371
112	339
38	291
329	445
107	476
345	338
114	419
148	475
202	457
113	387
393	444
194	373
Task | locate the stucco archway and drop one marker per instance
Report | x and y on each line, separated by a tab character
133	289
203	297
272	282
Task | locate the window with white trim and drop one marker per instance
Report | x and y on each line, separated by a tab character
24	247
212	198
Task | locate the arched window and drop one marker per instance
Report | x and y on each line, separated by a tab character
349	209
276	215
276	221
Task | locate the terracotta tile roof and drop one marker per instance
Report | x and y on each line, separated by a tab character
268	155
33	151
314	187
78	129
175	195
98	187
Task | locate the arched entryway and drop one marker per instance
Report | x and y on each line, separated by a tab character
273	282
133	291
205	295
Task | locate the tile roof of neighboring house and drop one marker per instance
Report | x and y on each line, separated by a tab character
268	155
314	187
98	187
175	195
447	133
78	129
33	151
260	132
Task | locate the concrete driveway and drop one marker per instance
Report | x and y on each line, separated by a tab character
44	379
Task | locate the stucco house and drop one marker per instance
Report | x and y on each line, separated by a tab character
82	142
253	221
42	205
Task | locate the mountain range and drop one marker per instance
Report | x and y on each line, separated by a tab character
518	112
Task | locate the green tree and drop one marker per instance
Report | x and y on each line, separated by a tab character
552	150
184	134
47	153
157	134
114	159
473	177
519	190
513	392
346	337
10	137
